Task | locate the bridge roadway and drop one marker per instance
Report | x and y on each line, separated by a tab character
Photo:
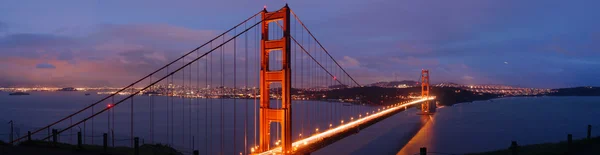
305	146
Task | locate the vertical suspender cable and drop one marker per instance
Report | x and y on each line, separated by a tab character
131	132
234	90
182	96
222	91
172	110
246	91
190	95
210	100
197	95
168	96
257	81
206	104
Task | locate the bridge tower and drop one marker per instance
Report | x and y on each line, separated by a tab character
282	115
427	107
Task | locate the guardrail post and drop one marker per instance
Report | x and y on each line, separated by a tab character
423	151
514	148
105	141
136	145
54	137
28	135
79	146
589	133
569	143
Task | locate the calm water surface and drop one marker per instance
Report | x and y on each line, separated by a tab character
186	124
463	128
492	125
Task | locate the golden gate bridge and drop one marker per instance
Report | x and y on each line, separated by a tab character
249	90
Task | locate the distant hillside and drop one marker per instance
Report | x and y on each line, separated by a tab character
408	83
577	91
379	95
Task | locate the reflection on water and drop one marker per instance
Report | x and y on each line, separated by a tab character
385	137
486	126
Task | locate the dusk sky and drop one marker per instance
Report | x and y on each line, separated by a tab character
527	43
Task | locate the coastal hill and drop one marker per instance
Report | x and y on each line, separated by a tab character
577	91
381	96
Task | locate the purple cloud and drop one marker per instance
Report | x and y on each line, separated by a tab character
45	66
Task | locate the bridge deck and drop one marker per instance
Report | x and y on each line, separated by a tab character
306	145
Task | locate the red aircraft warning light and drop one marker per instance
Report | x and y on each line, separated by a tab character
109	105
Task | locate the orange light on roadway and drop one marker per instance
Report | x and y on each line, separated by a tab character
343	127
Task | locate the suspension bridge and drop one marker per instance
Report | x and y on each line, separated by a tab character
264	86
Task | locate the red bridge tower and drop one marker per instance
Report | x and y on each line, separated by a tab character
427	107
282	115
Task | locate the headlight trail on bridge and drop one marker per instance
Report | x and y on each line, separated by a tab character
331	132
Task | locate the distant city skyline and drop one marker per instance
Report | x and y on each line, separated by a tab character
536	43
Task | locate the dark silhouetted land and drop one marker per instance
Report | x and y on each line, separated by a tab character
580	147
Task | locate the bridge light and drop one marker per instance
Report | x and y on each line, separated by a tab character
317	129
109	105
330	125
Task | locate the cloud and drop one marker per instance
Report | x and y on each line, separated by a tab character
112	55
45	66
467	78
349	62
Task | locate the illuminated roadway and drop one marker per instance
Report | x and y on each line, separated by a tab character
319	136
